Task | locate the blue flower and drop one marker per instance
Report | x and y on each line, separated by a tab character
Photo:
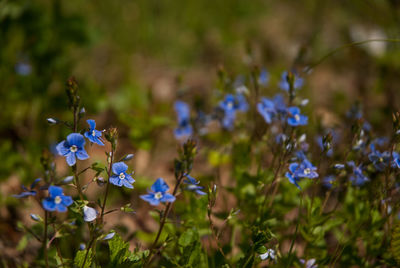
94	135
396	160
378	159
121	178
241	103
267	109
193	185
230	105
357	178
303	170
158	193
295	118
325	146
284	84
291	174
184	128
57	200
263	78
27	192
73	148
327	181
23	68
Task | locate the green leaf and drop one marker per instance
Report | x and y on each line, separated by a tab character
119	250
80	258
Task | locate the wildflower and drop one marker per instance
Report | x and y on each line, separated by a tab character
184	128
309	264
303	170
267	109
52	121
269	254
158	193
295	118
263	78
128	157
35	217
89	214
192	185
327	181
94	135
73	148
27	192
396	160
357	178
120	177
284	83
57	200
291	174
378	159
230	105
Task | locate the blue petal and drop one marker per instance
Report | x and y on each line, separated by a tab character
48	204
82	154
294	110
160	186
129	178
35	182
150	198
168	198
71	160
116	181
76	139
62	148
55	191
91	123
109	236
200	192
24	194
66	200
119	167
61	208
127	184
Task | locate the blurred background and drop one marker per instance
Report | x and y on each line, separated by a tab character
132	59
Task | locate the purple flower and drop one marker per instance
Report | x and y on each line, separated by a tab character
94	135
27	192
357	178
120	177
73	148
193	185
57	200
158	193
378	159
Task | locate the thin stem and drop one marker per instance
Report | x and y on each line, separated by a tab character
295	233
163	219
46	258
107	186
57	246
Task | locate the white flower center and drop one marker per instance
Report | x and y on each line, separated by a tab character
122	176
380	159
307	171
93	133
73	148
158	195
297	117
57	199
230	105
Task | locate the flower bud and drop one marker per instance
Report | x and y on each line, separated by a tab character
52	121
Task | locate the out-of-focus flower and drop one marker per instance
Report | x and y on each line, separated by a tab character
193	185
263	78
309	264
284	83
357	177
269	254
27	192
184	129
295	118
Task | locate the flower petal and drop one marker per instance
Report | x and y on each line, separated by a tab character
91	123
76	139
89	214
168	198
71	159
66	200
160	186
127	184
61	208
82	154
48	204
150	198
55	191
116	181
62	148
119	168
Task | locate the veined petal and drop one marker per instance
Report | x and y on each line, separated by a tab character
91	123
61	208
76	139
150	198
168	198
71	159
66	200
48	204
127	184
55	191
82	154
116	181
62	148
119	167
159	186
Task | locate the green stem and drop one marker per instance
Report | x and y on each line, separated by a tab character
46	258
295	233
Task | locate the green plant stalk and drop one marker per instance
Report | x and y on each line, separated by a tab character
46	258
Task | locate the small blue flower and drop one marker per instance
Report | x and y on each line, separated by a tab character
57	200
291	174
324	145
94	135
184	128
267	109
263	78
295	118
284	84
241	103
357	178
269	254
27	192
378	159
158	193
193	185
230	105
73	148
121	178
327	181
